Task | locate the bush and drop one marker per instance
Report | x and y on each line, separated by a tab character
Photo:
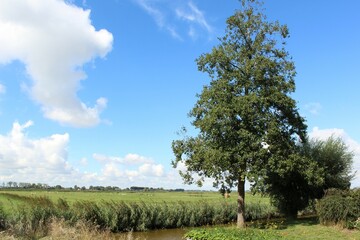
340	208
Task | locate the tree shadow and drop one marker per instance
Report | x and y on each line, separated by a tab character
283	223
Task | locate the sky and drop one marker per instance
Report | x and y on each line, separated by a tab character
94	92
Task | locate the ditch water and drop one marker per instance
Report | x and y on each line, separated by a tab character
166	234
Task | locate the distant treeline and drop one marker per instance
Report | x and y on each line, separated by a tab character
25	185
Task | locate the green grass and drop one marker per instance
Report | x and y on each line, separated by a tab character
310	228
127	196
306	228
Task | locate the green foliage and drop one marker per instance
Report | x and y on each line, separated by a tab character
290	192
245	106
248	123
231	234
334	157
323	165
340	208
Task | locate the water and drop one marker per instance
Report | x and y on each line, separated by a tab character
166	234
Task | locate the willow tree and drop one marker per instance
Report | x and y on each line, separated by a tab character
247	121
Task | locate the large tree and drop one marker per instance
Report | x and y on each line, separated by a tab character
246	118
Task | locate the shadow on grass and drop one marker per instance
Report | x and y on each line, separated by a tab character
282	223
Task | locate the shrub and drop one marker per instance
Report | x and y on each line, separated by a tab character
340	208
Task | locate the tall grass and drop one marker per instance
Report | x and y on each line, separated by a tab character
34	217
2	217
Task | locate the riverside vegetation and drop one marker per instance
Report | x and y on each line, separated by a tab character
338	217
32	217
67	215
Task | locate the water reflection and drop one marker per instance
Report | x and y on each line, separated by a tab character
166	234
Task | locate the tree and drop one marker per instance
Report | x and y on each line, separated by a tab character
335	158
328	166
247	121
291	191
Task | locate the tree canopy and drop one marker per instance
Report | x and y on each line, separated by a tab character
328	165
247	121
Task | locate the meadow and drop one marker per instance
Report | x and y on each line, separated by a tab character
9	198
128	196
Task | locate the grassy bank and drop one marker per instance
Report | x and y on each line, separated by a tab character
306	228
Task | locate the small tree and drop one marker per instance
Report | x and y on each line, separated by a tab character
328	166
247	121
335	158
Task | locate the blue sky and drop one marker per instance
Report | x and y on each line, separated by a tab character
93	92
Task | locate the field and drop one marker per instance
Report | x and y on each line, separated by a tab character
126	196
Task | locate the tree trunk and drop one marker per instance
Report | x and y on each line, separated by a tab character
241	204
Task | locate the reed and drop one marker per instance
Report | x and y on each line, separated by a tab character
36	216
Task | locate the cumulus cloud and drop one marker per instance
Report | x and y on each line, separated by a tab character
28	159
353	145
45	160
54	39
131	167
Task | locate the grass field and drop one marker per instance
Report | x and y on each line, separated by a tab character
311	229
127	196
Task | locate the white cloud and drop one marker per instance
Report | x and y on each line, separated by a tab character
45	160
103	158
196	17
152	169
313	107
84	161
159	17
152	11
163	12
129	159
54	39
354	146
131	167
132	158
26	159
